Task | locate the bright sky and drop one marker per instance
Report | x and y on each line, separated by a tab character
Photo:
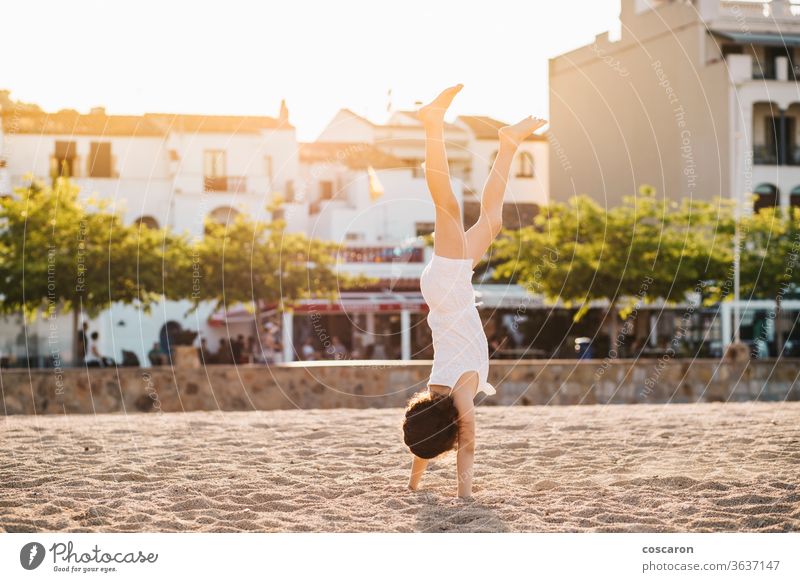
236	57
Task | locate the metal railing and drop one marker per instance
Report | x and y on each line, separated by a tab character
234	184
376	254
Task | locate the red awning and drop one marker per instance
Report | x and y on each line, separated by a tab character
356	302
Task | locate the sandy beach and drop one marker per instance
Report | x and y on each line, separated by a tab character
704	467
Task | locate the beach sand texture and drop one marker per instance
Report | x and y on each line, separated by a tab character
651	468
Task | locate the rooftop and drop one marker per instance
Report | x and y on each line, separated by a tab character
71	122
483	127
357	156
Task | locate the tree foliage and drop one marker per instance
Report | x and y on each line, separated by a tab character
650	249
250	262
58	252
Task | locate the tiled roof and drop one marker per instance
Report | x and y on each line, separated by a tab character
413	115
484	127
356	115
215	123
70	122
357	156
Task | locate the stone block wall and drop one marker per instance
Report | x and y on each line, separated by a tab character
351	384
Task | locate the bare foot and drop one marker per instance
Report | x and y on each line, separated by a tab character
515	134
434	111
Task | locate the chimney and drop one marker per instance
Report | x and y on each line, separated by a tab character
283	116
97	111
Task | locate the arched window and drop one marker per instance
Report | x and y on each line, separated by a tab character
146	222
491	161
794	197
767	196
223	215
525	165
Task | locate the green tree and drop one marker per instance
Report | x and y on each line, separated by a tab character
641	251
770	265
257	263
60	253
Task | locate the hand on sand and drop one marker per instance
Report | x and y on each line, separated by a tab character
434	111
516	133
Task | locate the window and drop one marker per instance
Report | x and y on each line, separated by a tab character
767	196
525	168
147	222
491	161
62	164
354	236
214	174
732	49
224	215
326	190
416	168
290	191
99	163
268	167
775	135
794	197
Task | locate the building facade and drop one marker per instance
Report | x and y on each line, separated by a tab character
472	142
696	98
177	171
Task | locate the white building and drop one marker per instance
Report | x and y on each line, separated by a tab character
158	169
382	234
165	169
696	98
472	142
176	171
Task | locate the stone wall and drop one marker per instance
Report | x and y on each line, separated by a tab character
387	384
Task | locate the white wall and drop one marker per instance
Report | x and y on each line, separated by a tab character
245	156
134	158
389	220
345	127
148	183
519	190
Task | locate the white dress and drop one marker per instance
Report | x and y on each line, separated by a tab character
459	342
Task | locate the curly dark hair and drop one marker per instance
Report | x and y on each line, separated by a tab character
430	427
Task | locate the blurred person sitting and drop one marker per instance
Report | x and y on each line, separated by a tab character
225	352
156	356
94	359
337	350
307	351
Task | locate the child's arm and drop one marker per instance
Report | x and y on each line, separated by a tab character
465	456
418	467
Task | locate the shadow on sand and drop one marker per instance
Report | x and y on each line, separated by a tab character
437	515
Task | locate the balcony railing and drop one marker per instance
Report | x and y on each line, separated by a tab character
317	206
382	255
793	156
772	9
234	184
764	155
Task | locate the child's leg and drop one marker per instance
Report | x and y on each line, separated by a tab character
449	240
490	221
